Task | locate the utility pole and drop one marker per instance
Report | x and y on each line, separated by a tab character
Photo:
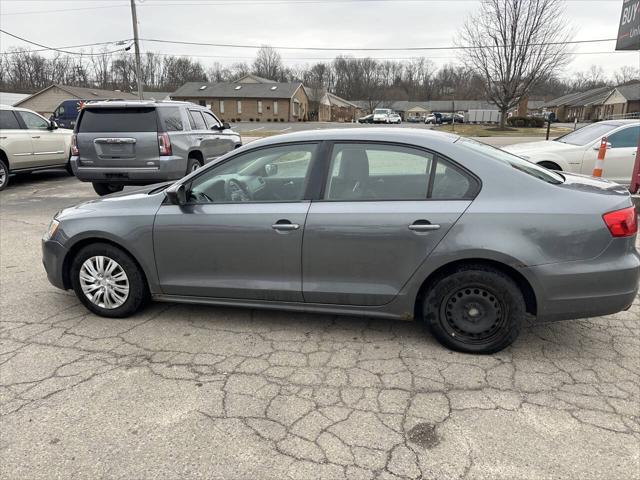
134	17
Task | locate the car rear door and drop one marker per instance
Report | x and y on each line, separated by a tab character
118	137
236	237
384	208
49	148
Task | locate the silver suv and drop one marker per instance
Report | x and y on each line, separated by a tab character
139	143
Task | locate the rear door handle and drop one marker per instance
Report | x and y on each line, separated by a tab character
35	136
285	226
423	226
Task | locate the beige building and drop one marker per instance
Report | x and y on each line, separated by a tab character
332	108
45	101
250	98
623	102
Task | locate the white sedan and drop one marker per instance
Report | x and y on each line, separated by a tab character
577	151
395	118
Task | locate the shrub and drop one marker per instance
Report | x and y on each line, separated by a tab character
251	119
531	122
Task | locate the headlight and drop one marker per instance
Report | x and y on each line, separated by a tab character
53	228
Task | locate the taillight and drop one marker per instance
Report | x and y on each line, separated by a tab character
74	145
164	143
622	223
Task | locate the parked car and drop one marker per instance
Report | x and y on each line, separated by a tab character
144	142
433	118
397	223
381	115
395	118
577	151
448	118
66	113
366	119
30	142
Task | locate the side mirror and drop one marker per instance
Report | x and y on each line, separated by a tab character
271	169
177	194
226	126
52	125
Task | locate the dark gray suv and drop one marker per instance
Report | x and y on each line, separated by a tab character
139	143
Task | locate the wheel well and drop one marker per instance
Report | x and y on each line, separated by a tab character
197	154
550	165
3	157
68	259
445	270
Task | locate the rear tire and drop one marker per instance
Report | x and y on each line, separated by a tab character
137	294
103	189
193	164
4	175
476	309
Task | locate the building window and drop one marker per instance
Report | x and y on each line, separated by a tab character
221	106
239	106
259	106
203	103
275	107
296	108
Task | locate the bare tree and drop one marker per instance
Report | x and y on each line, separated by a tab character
513	44
268	63
626	74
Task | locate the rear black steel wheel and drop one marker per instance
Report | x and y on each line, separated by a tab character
476	309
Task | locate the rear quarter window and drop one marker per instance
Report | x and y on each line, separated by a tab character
118	120
8	120
170	119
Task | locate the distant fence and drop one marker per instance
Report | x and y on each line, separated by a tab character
624	116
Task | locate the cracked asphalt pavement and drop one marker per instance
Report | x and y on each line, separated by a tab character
181	392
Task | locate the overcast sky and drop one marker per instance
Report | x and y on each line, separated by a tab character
296	23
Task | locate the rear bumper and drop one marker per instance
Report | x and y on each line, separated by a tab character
168	168
590	288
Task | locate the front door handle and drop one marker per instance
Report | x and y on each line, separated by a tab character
285	226
36	136
423	226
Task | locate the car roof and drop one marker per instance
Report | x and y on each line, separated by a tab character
140	103
411	136
620	122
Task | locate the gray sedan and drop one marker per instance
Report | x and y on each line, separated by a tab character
394	223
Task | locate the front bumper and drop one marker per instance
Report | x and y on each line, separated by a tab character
589	288
53	255
168	168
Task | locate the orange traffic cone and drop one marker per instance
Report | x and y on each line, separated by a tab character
597	168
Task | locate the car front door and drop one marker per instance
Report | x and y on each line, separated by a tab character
619	158
222	142
48	146
240	235
383	210
15	141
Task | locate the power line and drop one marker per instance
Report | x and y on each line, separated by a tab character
97	44
60	49
365	49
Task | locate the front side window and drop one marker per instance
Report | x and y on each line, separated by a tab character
273	174
626	138
210	120
33	121
8	120
378	172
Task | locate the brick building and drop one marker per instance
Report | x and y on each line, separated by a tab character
250	98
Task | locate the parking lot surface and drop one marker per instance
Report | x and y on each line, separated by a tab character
203	392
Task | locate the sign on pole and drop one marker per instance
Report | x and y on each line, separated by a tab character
629	29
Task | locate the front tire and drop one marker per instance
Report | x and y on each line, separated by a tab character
475	309
4	175
108	281
193	164
103	189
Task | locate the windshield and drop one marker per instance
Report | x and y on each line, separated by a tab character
516	162
587	134
381	110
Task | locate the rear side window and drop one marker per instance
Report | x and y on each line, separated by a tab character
627	138
118	120
170	119
8	120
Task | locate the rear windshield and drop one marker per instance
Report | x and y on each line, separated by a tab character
118	120
516	162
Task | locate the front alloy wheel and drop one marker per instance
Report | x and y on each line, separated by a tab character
104	282
4	175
